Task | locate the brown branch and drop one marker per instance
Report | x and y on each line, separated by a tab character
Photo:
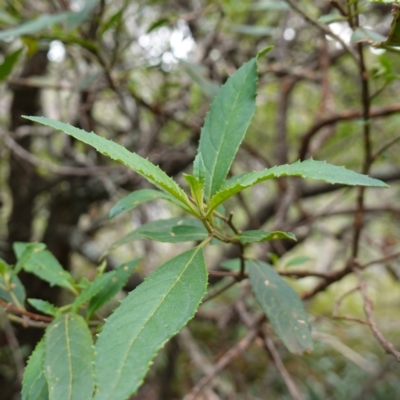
324	28
15	310
220	290
223	362
289	382
384	148
380	260
202	362
14	347
338	275
60	170
366	111
291	272
344	116
368	309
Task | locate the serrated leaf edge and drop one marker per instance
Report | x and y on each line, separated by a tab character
163	343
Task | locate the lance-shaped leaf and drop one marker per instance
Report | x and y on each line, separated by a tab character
263	236
150	315
69	358
157	230
44	306
199	170
196	188
117	152
307	169
184	230
44	265
138	197
105	287
34	384
34	26
226	124
44	21
282	306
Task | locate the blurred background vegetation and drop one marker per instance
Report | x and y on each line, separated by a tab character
143	73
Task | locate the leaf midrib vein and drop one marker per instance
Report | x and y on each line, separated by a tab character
224	134
69	356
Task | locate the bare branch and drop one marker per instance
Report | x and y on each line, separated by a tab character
368	309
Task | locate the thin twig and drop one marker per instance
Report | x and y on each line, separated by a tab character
220	290
201	361
366	111
223	362
338	304
25	322
324	28
60	170
289	382
368	309
380	260
343	116
291	272
15	310
14	346
384	148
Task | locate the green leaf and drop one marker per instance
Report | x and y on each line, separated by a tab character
113	21
113	282
193	231
92	289
151	314
305	169
138	197
226	124
8	64
154	229
282	306
44	306
16	287
44	265
263	236
117	152
33	26
4	267
34	383
69	358
367	35
196	188
199	169
23	257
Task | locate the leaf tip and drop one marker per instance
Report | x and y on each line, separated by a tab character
263	52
